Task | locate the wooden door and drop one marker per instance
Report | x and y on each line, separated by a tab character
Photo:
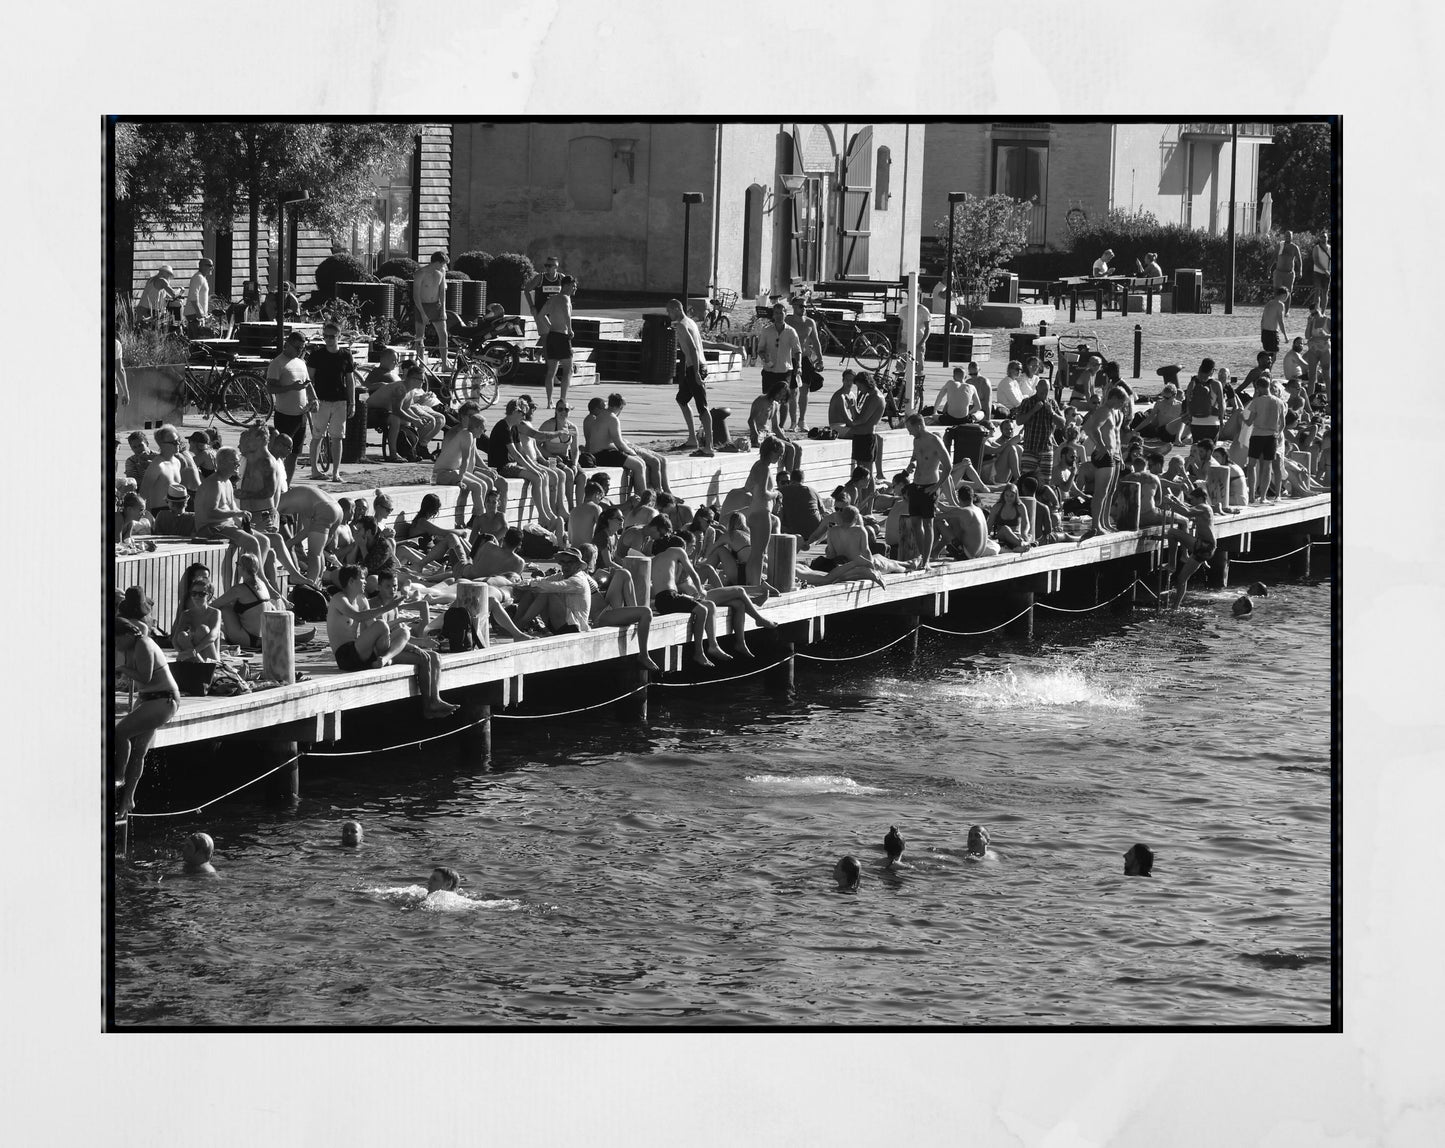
855	205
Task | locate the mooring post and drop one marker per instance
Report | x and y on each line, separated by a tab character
278	646
1138	345
783	562
475	598
475	745
284	786
635	676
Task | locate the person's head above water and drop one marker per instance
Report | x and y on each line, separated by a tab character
351	833
847	872
1139	861
443	878
977	840
197	851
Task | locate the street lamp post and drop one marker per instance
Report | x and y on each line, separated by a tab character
954	199
688	199
283	248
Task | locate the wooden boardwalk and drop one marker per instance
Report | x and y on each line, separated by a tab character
312	711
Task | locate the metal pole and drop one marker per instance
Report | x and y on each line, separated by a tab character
280	277
1138	346
1233	165
686	229
948	294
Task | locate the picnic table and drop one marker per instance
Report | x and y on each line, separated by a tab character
1101	286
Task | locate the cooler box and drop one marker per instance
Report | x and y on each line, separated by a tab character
1188	290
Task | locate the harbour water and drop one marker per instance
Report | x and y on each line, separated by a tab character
679	873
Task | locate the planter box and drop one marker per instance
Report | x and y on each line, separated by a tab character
154	397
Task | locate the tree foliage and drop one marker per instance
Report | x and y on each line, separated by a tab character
987	232
1295	169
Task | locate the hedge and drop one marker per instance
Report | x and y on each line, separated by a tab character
505	276
336	269
401	268
473	263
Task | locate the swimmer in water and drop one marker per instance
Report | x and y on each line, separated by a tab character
443	879
197	852
893	845
351	833
847	873
977	841
1139	861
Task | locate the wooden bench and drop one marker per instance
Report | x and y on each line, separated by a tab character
1148	286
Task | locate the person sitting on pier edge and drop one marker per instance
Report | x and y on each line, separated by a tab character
458	463
669	556
617	604
361	639
561	601
157	700
1199	543
197	851
656	464
956	402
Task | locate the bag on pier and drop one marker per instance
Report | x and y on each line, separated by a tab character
459	631
536	545
307	604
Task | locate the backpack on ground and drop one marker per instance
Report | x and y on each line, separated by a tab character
308	604
459	630
536	545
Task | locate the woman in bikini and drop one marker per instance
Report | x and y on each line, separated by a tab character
729	553
1006	521
157	701
605	536
762	484
429	535
196	632
241	606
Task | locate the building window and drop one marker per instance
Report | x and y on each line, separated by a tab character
1021	171
589	173
880	184
386	233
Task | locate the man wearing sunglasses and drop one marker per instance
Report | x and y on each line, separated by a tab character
543	285
170	468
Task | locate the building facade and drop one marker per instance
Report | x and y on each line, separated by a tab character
781	200
1075	171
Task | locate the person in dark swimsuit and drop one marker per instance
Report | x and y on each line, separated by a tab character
1200	543
241	606
157	700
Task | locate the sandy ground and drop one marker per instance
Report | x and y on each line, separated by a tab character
652	416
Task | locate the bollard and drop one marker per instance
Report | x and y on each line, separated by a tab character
783	562
1138	347
284	786
720	426
641	571
278	647
1073	304
475	598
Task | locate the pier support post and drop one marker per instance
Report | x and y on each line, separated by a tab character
475	598
783	562
284	786
121	836
278	646
780	677
1299	564
634	675
1023	626
475	746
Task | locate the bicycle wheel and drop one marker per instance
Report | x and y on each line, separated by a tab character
476	383
871	350
244	399
502	358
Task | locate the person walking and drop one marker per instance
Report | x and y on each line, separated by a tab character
691	388
1287	266
1321	261
429	295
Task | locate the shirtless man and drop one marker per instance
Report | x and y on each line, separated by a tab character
457	462
384	393
669	555
554	324
930	464
967	525
554	482
812	355
840	405
1288	263
619	606
849	546
862	430
1200	543
1148	492
957	400
318	516
218	515
582	522
656	464
764	412
602	439
489	521
168	468
501	557
429	296
196	853
361	638
1103	426
1271	321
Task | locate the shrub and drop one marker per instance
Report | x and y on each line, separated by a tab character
401	291
988	231
151	347
400	268
473	263
505	276
336	269
458	276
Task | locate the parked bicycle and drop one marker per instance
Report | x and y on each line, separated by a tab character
716	320
238	397
869	349
472	377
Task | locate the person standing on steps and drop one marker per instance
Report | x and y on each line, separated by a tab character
554	324
691	386
542	286
779	350
810	364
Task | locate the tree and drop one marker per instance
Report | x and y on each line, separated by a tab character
214	171
987	233
1295	169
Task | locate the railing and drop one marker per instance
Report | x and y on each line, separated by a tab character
1246	131
1245	218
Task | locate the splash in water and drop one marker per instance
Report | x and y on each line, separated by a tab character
817	783
1047	689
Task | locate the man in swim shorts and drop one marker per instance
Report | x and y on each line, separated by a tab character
458	464
554	322
930	463
317	517
865	422
429	295
691	390
669	555
1265	417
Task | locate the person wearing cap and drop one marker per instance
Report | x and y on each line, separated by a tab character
173	519
198	302
429	294
333	377
458	464
151	307
563	601
289	382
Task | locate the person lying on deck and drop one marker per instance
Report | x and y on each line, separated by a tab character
362	638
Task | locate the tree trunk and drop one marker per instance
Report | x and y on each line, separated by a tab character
253	198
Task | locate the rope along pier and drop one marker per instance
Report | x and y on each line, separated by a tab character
222	797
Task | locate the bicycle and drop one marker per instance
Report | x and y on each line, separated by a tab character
470	379
718	306
869	349
239	398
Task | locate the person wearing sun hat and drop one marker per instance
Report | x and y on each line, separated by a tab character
151	305
564	600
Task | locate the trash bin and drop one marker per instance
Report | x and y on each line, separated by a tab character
474	300
1021	345
1188	290
1005	289
354	448
659	349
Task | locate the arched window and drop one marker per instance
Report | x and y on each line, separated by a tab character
880	184
589	173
